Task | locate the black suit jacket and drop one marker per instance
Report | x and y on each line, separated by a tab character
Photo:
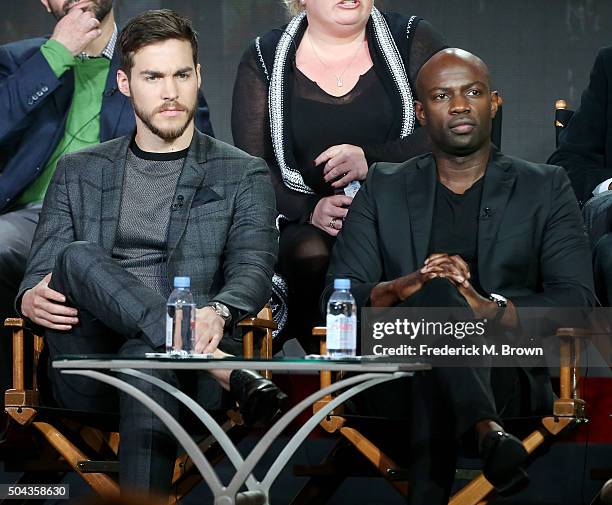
531	244
585	144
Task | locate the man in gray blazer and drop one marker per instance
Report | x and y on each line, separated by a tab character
124	217
466	226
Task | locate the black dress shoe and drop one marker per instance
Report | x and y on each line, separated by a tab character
259	399
502	457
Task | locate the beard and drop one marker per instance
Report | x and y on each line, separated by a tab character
100	8
166	134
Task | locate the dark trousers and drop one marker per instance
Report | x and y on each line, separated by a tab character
118	315
602	269
16	233
442	406
303	258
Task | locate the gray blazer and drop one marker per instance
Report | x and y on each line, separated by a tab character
222	229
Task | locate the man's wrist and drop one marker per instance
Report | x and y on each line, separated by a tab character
497	307
59	58
222	311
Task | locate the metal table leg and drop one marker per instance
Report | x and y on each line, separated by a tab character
192	449
359	383
258	493
205	418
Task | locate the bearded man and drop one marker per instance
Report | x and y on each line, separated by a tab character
57	95
122	218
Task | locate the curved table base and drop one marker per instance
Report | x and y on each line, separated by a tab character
257	492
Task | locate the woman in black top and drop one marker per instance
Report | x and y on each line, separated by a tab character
320	99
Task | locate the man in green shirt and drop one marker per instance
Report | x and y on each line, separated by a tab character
57	95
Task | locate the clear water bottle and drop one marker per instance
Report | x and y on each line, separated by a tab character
341	321
180	319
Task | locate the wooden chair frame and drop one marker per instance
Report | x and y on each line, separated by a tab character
22	404
568	411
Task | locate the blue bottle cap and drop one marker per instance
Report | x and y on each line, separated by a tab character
182	282
342	283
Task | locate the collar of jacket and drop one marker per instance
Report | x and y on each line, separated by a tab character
377	30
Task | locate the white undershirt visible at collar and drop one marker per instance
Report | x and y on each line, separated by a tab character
600	188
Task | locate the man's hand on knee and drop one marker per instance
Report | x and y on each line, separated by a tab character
209	330
46	307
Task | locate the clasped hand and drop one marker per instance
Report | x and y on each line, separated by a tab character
343	164
457	271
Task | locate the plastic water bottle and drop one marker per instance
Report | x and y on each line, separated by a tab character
341	321
180	319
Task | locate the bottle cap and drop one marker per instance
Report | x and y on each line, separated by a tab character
342	283
182	282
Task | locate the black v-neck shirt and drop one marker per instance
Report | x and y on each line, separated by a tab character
454	227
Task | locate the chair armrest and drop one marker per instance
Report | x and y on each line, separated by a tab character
256	322
569	403
262	322
18	397
17	326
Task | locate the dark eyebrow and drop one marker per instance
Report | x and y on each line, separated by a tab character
184	70
465	86
152	73
155	73
475	83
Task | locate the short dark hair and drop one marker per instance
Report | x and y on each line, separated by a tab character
151	27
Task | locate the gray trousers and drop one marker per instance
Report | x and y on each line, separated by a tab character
16	233
121	316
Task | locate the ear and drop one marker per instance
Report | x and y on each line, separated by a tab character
420	112
123	83
496	101
46	5
199	75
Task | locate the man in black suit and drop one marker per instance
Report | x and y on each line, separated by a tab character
585	144
466	226
585	151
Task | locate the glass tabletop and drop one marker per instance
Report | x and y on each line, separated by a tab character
207	362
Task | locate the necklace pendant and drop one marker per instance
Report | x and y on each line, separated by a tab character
339	82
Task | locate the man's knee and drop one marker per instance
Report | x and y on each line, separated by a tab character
73	259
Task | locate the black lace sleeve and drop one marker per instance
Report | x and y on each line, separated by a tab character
251	133
426	42
250	125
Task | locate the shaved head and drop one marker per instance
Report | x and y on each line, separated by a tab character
448	58
456	104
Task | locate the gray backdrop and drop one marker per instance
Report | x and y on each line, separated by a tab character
538	50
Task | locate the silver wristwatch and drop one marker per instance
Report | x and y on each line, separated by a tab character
502	303
221	311
500	300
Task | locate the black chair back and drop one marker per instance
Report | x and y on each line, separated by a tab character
562	118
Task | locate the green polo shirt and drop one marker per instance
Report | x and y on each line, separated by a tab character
82	127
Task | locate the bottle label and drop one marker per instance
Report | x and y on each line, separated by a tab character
169	336
341	332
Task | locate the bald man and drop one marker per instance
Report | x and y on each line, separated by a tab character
466	226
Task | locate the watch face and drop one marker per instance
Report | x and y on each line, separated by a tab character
501	301
222	310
